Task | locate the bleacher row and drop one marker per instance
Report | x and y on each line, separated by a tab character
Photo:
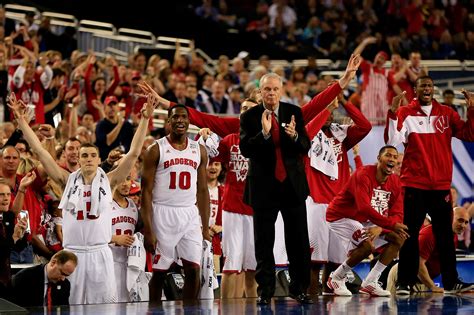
106	39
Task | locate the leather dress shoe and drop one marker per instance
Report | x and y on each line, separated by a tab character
302	298
263	300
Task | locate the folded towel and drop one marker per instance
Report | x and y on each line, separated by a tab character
322	154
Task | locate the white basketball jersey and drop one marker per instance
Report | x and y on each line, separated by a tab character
214	203
124	221
81	229
176	175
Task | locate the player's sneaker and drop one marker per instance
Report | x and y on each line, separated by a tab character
338	286
373	288
403	289
459	287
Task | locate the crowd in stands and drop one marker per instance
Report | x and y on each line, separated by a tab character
439	29
74	97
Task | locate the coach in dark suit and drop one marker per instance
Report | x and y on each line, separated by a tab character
45	284
273	137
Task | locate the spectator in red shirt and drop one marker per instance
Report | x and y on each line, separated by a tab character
399	80
365	215
96	90
375	84
30	86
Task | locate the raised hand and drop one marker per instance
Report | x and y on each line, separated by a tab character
290	128
17	106
469	98
267	121
114	156
43	60
370	40
333	105
27	180
149	107
47	131
355	149
397	101
205	133
20	228
97	104
91	59
353	63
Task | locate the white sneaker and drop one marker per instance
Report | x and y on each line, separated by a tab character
373	288
338	286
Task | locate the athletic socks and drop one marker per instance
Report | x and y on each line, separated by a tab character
341	271
375	273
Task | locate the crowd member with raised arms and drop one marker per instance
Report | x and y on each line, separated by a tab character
87	207
327	171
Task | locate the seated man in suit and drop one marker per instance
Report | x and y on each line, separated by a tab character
45	284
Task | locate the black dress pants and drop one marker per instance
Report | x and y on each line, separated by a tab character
437	203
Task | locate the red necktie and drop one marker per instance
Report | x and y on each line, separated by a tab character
280	171
49	300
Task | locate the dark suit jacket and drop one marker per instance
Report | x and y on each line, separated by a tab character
29	289
261	184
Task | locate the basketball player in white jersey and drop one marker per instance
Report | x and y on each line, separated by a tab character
216	191
173	183
87	208
124	221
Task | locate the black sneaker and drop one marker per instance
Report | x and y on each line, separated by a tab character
459	287
403	289
301	298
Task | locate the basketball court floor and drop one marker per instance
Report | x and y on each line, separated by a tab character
357	304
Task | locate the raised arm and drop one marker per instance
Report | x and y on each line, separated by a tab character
114	133
352	66
56	173
73	119
26	181
19	74
323	99
367	41
464	130
393	133
222	126
359	129
121	172
315	125
47	74
113	85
